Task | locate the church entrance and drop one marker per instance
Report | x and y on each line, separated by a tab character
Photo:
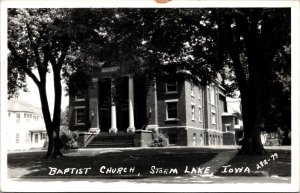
104	114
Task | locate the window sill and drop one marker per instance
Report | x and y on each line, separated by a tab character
171	92
79	100
192	95
79	124
172	120
194	120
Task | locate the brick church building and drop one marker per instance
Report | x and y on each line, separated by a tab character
126	110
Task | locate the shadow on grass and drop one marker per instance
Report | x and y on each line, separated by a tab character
274	163
31	165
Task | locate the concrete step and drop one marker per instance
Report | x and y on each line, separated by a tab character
103	140
108	145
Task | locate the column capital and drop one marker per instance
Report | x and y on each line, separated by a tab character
129	75
94	79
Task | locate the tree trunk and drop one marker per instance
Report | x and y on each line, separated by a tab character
51	128
250	93
251	144
53	145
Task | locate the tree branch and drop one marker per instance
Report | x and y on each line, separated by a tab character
64	52
35	49
23	64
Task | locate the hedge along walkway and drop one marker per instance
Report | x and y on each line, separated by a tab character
31	164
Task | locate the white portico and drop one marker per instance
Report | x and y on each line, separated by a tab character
106	110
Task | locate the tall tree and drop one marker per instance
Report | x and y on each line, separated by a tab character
253	39
40	41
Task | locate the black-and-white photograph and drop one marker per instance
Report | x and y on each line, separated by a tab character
159	96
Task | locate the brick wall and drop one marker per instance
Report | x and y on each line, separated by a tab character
229	139
197	102
228	120
72	108
151	104
195	137
162	96
93	104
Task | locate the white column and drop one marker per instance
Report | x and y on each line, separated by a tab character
113	118
93	106
131	127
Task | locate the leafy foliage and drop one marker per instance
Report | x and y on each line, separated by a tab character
40	41
159	140
68	139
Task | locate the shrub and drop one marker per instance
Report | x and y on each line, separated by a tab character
159	140
67	139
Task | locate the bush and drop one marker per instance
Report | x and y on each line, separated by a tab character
67	139
160	140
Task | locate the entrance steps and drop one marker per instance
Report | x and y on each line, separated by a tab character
107	140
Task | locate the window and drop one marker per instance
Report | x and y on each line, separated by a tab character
17	137
212	95
200	139
171	108
79	96
79	115
27	116
213	118
172	138
43	135
27	138
194	138
36	138
192	89
236	121
171	87
193	111
208	92
200	113
18	116
199	93
227	127
9	114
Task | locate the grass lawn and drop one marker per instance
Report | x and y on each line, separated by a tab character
145	163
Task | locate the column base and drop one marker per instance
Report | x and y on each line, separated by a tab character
113	130
130	129
95	130
152	128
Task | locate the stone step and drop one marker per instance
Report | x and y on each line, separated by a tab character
114	137
102	145
105	139
112	141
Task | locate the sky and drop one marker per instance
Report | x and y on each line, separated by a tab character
33	97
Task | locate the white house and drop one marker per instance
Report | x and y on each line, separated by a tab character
25	124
